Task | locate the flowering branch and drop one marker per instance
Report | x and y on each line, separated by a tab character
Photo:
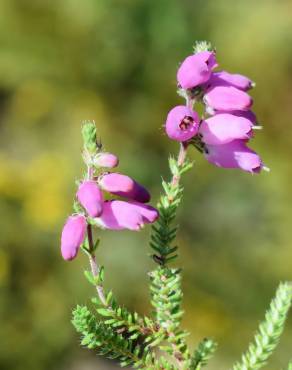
114	201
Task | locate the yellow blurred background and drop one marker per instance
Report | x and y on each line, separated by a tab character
115	61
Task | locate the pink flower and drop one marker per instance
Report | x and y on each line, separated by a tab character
90	197
223	128
124	186
119	215
196	69
234	154
224	78
73	235
182	123
227	98
108	160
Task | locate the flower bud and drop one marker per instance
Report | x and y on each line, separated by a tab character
124	186
90	197
73	235
107	160
89	136
196	69
182	123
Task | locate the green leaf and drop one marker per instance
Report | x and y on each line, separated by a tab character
173	166
101	274
77	207
89	276
104	312
96	245
109	297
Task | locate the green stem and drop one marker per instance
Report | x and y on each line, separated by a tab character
165	282
95	269
94	266
180	162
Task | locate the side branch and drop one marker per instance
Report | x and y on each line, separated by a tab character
270	330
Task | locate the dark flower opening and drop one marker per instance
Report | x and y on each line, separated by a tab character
186	122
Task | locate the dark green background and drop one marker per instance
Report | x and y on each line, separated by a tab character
115	62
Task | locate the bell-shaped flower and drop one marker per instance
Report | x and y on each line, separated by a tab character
196	69
223	128
90	197
124	186
119	215
234	154
182	123
227	98
223	78
73	235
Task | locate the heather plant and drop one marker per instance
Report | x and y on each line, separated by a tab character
110	200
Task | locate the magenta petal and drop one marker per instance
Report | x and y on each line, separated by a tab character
234	155
107	160
148	213
227	98
119	215
196	69
181	123
224	78
124	186
90	197
248	114
73	235
223	128
210	59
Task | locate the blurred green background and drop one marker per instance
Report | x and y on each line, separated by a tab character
115	62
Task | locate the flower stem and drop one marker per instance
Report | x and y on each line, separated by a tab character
94	266
180	162
166	291
95	269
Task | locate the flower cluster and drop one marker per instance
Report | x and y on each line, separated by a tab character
227	123
97	207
